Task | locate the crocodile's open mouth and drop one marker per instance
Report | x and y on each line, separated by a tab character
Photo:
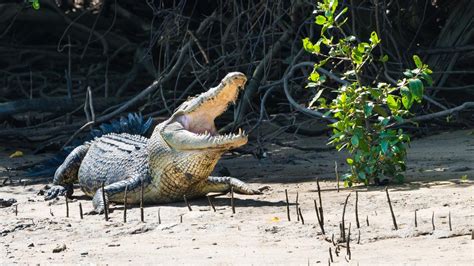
195	127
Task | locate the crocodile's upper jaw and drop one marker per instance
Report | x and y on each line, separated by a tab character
192	127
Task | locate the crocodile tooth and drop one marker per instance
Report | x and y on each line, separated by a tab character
243	133
240	131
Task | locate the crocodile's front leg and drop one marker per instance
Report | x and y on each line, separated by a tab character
224	183
115	192
66	174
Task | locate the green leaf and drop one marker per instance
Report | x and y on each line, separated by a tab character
374	39
407	99
408	73
384	59
35	4
316	97
362	176
350	161
416	88
314	76
383	120
384	146
357	57
392	102
341	13
355	141
417	61
333	5
368	109
320	20
310	47
427	78
379	110
399	119
346	183
323	30
343	98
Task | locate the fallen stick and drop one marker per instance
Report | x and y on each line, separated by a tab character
287	205
181	218
391	209
432	221
367	220
330	254
16	210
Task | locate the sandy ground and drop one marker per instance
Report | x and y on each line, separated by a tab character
259	232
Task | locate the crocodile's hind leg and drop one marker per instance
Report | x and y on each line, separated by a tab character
66	174
115	192
224	183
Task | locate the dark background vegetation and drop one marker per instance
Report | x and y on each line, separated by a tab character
149	56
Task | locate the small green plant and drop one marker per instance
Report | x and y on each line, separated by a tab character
365	111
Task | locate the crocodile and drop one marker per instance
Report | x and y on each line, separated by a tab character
175	162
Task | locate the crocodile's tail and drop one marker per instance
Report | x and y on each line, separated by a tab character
133	124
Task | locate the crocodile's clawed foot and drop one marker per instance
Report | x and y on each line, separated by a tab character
98	203
55	191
